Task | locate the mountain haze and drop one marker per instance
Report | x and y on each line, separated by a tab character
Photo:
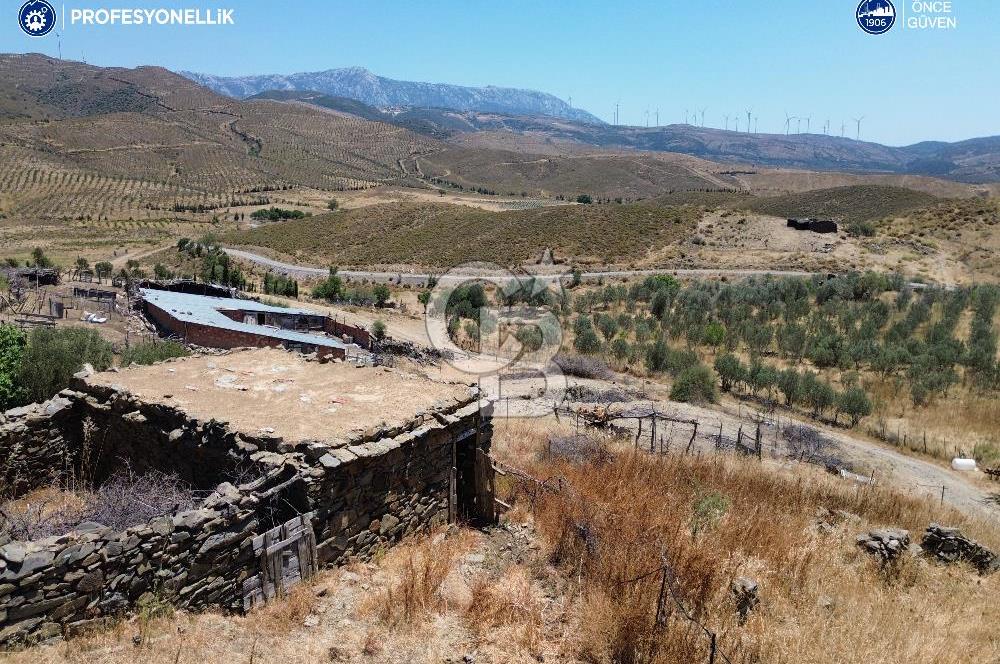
360	84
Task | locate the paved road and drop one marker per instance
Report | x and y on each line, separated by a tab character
417	278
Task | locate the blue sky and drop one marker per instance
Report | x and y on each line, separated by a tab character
807	58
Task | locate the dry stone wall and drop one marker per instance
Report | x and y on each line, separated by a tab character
361	494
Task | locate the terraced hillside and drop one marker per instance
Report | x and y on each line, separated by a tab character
628	176
848	204
77	139
439	235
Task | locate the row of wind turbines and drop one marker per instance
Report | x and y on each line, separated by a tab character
693	117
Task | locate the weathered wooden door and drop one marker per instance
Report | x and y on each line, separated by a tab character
485	487
286	555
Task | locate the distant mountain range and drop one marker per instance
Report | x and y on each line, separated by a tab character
975	160
362	85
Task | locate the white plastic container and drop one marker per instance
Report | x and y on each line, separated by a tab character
963	464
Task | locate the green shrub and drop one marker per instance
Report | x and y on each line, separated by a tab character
52	356
12	342
695	385
151	352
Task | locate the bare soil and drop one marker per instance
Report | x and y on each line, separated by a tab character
281	393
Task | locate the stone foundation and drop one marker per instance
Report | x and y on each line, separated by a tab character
359	495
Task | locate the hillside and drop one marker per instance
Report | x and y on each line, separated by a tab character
972	161
847	204
629	176
975	161
81	140
440	235
360	84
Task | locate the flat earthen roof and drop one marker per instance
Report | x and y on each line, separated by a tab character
282	394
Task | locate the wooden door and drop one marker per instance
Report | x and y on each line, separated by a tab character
286	555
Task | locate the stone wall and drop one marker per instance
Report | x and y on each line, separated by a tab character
361	494
32	448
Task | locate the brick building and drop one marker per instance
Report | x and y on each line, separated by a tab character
222	322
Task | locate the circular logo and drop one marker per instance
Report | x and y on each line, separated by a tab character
876	16
37	18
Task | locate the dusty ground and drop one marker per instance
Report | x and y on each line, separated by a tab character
273	389
118	328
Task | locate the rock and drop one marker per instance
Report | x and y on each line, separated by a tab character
92	582
14	552
887	544
312	620
948	545
389	522
826	602
745	592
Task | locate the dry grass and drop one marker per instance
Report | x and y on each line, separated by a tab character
445	235
414	589
618	519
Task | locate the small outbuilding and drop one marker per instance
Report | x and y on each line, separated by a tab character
814	225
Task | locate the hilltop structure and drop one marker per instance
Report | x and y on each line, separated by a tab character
304	464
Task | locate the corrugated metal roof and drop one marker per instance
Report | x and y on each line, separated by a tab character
205	310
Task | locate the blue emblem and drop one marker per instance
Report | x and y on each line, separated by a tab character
876	16
37	18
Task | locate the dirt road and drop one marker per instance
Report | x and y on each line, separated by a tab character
909	474
417	278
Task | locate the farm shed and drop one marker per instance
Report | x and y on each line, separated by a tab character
221	322
814	225
302	464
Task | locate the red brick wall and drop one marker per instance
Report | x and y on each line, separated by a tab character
214	337
360	335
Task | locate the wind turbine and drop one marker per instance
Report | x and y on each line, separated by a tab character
685	116
808	119
842	126
727	122
798	125
657	117
703	116
647	118
788	122
748	120
755	118
737	124
858	120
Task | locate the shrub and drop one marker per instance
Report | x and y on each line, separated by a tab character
381	293
379	330
582	366
695	385
52	356
854	403
151	352
731	371
587	341
12	342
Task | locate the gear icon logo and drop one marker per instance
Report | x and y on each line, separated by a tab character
37	18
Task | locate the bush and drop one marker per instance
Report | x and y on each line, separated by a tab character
731	371
582	367
12	342
151	352
854	403
695	385
379	330
52	356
